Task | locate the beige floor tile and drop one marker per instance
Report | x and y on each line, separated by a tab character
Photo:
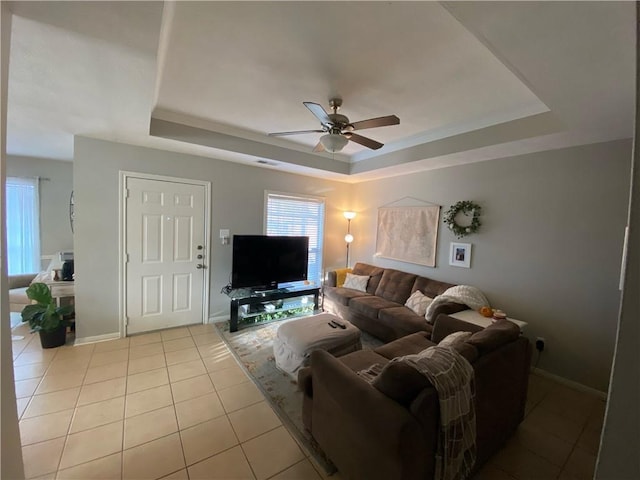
74	351
213	350
181	356
26	372
239	396
589	441
228	377
149	426
145	339
219	362
547	446
26	388
524	464
300	471
112	345
106	372
202	329
191	388
198	410
97	414
228	465
145	350
179	475
107	358
92	444
178	344
491	472
254	420
42	458
146	380
154	459
52	402
53	383
68	365
144	364
174	333
147	400
207	339
553	423
272	452
186	370
572	404
45	427
581	464
97	392
206	439
596	419
101	469
28	357
21	405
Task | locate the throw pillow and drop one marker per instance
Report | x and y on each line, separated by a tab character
400	381
418	302
341	276
42	277
356	282
454	338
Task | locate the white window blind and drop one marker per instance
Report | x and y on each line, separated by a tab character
292	215
23	225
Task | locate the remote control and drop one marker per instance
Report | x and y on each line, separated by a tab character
331	325
338	324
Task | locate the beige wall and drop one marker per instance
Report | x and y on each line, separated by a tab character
55	189
237	204
548	251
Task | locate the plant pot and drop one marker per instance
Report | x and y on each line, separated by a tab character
53	339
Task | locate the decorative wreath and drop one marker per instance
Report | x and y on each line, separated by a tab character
467	207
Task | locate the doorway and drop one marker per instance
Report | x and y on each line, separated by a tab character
165	252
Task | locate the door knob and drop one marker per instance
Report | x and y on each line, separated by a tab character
200	256
199	266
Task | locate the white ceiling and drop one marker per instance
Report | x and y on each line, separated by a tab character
470	81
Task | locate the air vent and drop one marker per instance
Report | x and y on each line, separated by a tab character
266	162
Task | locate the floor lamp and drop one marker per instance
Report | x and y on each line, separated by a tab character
348	237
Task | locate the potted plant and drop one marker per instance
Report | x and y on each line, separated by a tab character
45	316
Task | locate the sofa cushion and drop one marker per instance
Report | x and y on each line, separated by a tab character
370	305
401	382
414	343
467	350
403	321
357	282
454	338
375	274
418	303
431	288
494	336
362	359
19	295
342	295
395	285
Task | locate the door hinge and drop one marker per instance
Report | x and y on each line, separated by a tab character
126	321
126	258
126	193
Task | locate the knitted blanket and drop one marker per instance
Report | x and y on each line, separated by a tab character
452	377
466	294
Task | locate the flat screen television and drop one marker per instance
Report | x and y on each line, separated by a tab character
264	261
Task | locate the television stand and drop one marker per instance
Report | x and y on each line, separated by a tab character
249	307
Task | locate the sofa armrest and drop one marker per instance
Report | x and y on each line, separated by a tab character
364	432
445	325
332	279
21	281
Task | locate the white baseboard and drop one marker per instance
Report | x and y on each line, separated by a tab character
97	338
218	318
570	383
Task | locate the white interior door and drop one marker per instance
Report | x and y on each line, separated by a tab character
165	254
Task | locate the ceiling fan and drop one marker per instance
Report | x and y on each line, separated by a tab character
338	130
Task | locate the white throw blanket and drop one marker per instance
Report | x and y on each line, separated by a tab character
452	377
466	294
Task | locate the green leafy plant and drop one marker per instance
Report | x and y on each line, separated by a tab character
465	207
44	315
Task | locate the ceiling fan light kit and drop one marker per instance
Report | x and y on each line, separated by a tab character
338	130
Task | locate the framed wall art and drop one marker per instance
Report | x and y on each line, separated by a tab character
460	254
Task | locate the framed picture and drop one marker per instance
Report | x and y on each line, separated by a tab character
460	255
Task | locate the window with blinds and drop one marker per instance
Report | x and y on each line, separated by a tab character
23	225
295	215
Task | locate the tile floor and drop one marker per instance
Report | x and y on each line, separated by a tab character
176	405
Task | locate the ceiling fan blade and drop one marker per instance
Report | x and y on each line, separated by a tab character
298	132
367	142
376	122
318	148
319	112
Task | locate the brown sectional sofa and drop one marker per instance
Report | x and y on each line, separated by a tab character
380	311
388	429
18	285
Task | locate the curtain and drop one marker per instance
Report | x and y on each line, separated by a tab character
302	216
23	225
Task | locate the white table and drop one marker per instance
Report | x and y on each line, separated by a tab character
62	289
474	317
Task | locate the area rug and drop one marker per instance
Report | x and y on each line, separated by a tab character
253	347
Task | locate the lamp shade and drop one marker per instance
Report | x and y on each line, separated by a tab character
333	142
349	215
348	238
